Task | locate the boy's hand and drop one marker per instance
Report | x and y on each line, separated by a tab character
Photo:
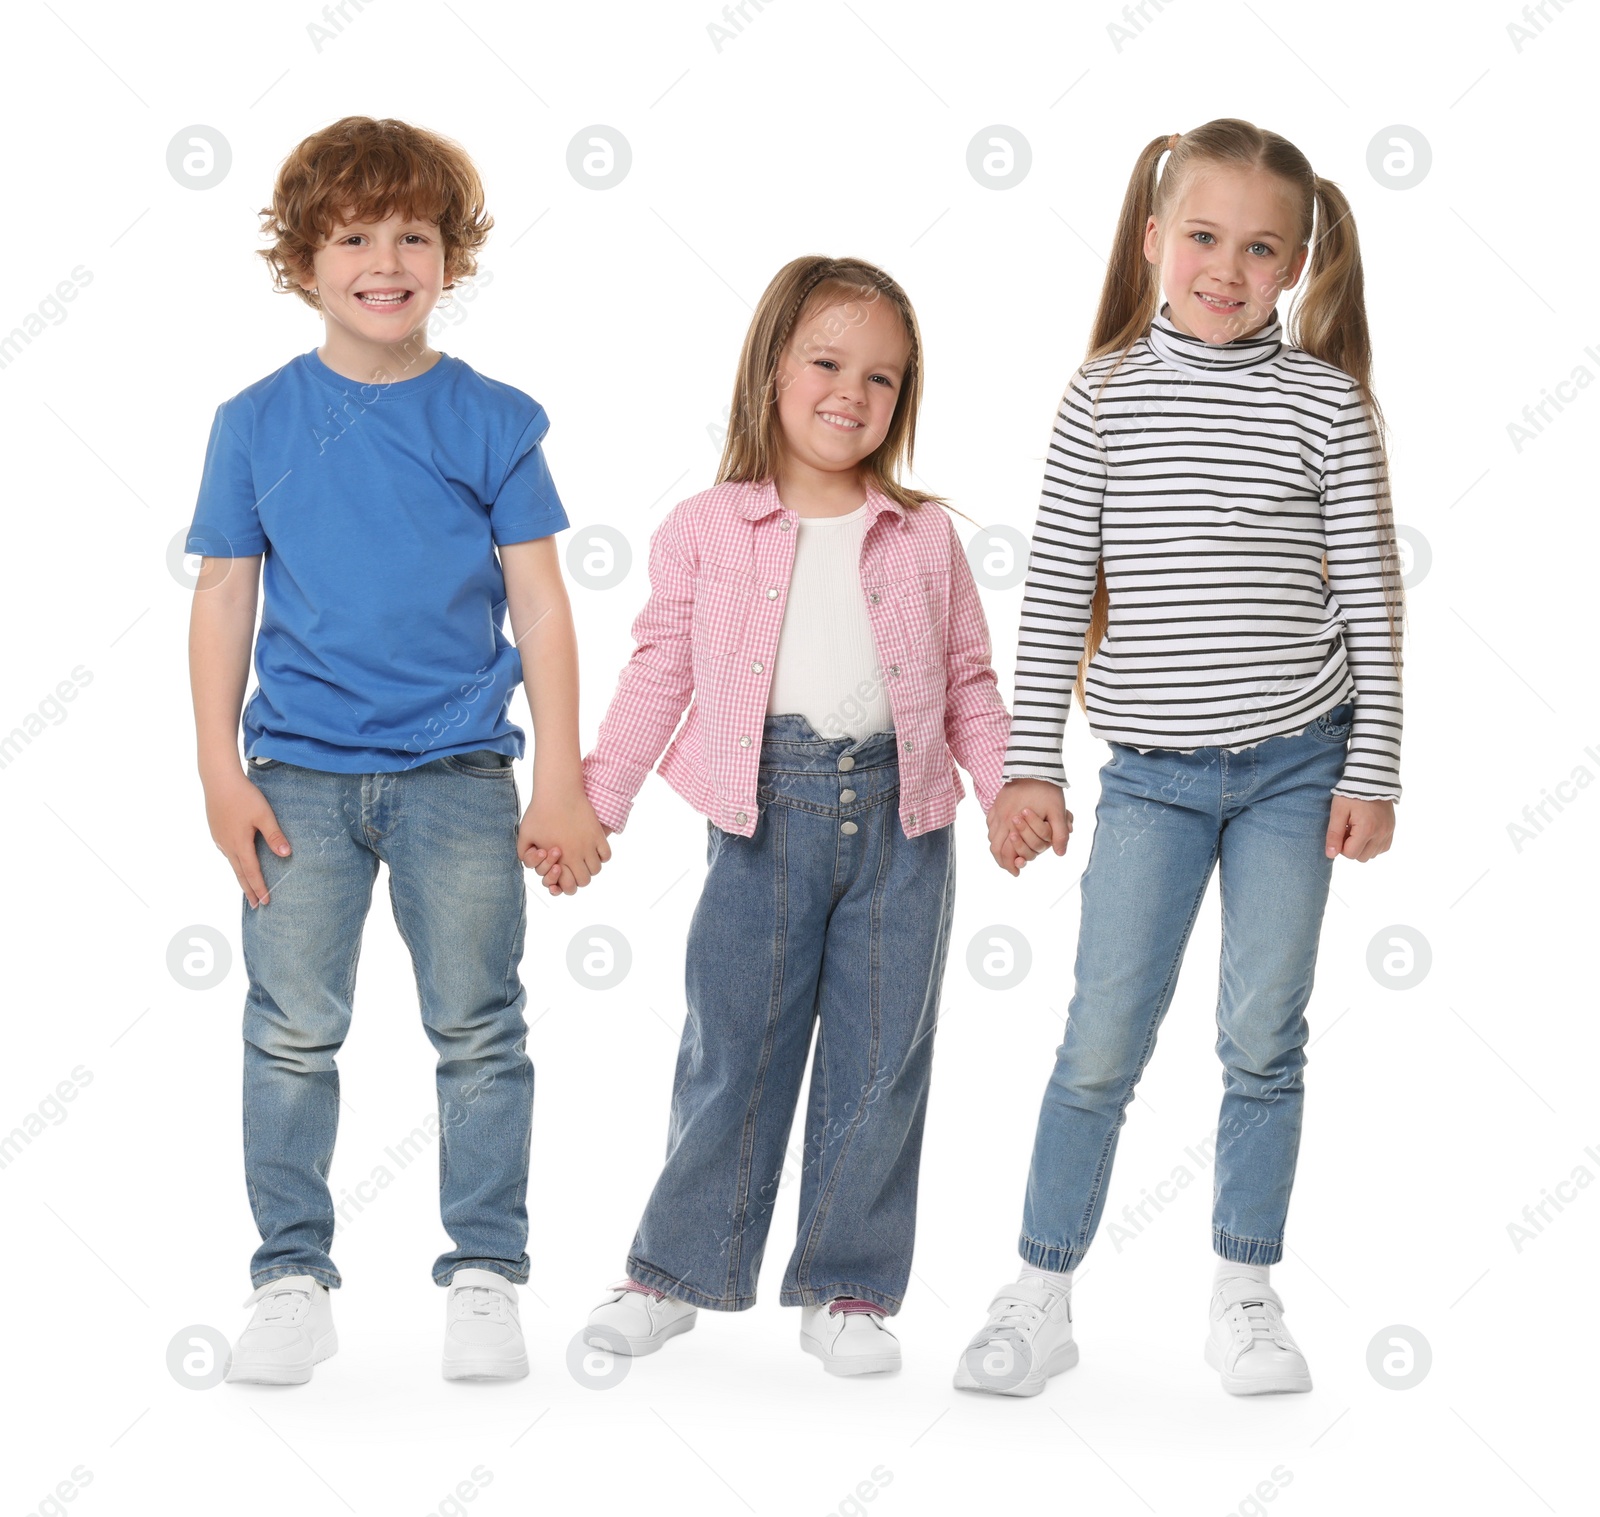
1028	816
561	833
236	811
1359	830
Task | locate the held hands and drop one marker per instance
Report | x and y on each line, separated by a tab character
236	811
546	863
1027	817
562	840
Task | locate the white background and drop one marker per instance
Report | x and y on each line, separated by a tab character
1435	1114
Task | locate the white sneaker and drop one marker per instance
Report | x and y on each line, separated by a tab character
634	1319
849	1336
1027	1338
1249	1343
482	1331
291	1330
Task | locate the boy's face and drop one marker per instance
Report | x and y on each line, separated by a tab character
379	280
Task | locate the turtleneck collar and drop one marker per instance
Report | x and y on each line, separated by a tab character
1185	352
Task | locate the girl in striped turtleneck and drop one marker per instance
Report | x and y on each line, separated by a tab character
1214	569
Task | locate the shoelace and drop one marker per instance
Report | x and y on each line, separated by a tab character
284	1308
643	1290
479	1301
1010	1323
1262	1320
851	1306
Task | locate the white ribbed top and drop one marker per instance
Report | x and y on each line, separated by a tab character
827	666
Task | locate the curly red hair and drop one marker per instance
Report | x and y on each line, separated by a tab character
362	169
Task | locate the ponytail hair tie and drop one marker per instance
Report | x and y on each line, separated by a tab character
1172	142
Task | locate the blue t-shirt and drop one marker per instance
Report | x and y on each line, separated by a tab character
377	507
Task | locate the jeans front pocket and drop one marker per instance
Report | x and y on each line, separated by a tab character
1333	726
484	764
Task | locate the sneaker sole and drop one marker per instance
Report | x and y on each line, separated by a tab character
486	1369
284	1374
1064	1357
637	1347
1244	1385
863	1364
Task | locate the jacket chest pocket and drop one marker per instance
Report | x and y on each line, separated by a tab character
917	610
723	599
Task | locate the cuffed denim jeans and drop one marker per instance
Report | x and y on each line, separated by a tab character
1163	820
828	915
448	832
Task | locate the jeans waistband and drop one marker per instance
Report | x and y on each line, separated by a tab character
789	743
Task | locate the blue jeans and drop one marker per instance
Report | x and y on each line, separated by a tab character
1164	819
827	915
448	832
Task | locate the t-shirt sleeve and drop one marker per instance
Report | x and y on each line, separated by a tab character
225	522
527	505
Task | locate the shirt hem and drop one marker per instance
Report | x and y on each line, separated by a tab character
307	755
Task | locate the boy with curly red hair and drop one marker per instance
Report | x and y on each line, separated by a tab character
394	505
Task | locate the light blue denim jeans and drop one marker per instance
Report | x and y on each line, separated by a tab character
827	916
1163	820
448	832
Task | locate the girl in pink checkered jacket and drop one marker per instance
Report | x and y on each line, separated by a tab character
820	622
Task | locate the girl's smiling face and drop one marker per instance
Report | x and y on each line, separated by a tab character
378	281
1226	250
838	383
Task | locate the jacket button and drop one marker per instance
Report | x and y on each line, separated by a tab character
846	762
755	668
744	742
912	819
848	827
739	816
847	795
894	668
783	526
772	595
873	597
907	745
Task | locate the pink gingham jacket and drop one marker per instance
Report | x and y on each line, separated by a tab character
720	565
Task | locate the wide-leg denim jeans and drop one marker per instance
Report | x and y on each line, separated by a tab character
448	832
829	915
1163	820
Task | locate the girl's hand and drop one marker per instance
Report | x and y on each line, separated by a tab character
1359	830
546	863
1015	838
1030	834
236	811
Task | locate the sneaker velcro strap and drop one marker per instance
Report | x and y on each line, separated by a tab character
1236	1289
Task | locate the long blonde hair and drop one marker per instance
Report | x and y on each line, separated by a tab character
1329	321
792	309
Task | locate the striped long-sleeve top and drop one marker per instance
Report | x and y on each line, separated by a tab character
1209	481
